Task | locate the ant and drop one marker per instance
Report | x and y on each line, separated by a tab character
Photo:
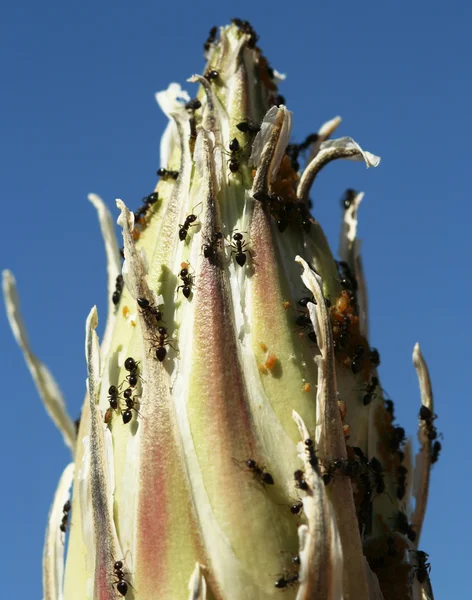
377	471
259	473
212	244
211	75
113	396
389	407
404	527
278	100
126	414
296	508
149	309
313	459
210	39
189	222
234	148
165	173
238	249
401	481
348	198
428	417
303	302
397	439
162	341
423	567
370	391
356	362
121	584
437	447
374	357
118	289
248	127
65	517
132	366
187	281
284	582
300	482
147	202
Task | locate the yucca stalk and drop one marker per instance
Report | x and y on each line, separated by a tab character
234	441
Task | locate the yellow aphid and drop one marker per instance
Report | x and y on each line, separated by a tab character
307	387
263	347
262	369
342	409
132	323
125	312
184	265
270	361
347	431
286	304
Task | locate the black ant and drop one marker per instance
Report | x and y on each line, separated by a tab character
239	249
248	127
149	309
423	567
248	29
300	482
211	75
356	361
389	407
428	417
183	229
126	414
436	450
113	396
397	439
278	100
259	473
348	198
234	148
147	202
118	289
402	525
187	281
162	341
374	357
65	517
370	391
210	39
296	508
193	105
313	459
401	481
303	302
132	366
212	244
121	584
377	471
284	582
165	173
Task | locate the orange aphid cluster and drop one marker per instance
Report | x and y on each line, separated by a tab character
270	359
286	182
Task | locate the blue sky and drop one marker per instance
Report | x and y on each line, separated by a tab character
78	115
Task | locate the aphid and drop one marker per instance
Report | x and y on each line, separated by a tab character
210	39
270	361
259	473
248	127
377	471
348	198
113	396
121	583
423	567
296	508
189	222
300	482
370	391
118	289
187	282
161	342
435	451
284	582
211	75
239	250
212	244
165	173
149	309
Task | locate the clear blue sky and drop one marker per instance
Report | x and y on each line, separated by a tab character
78	115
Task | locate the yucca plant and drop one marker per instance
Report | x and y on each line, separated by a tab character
235	442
